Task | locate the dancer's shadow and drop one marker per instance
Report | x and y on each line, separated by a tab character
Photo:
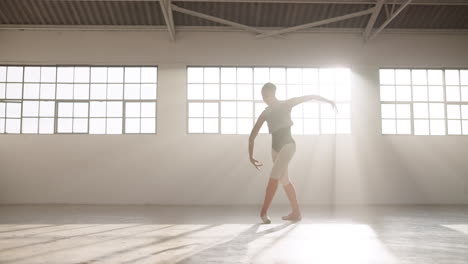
232	251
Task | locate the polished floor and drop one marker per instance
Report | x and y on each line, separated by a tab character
216	234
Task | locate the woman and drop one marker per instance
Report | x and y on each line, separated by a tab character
278	117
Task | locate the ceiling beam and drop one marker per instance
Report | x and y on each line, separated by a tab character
368	2
316	23
373	18
167	13
216	19
390	19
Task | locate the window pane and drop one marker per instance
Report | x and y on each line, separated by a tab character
244	75
132	110
64	91
2	109
309	76
32	74
114	91
403	93
97	125
245	92
132	75
31	91
437	127
132	125
343	126
195	109
403	111
419	77
195	75
388	126
228	92
149	75
31	108
195	92
148	125
327	126
13	110
297	111
420	110
14	74
2	74
465	127
421	127
453	93
464	93
132	91
47	109
387	76
388	110
98	109
115	75
294	91
2	123
14	90
30	125
278	75
402	77
114	109
65	125
80	110
80	125
81	91
294	75
344	111
454	127
114	126
464	77
47	91
211	75
228	75
46	125
148	109
228	125
436	110
210	125
403	126
464	111
311	110
65	109
13	125
98	91
210	110
48	74
211	91
98	74
65	74
244	125
228	109
298	127
2	90
453	112
148	91
311	127
436	93
419	93
452	77
435	77
195	125
82	75
244	109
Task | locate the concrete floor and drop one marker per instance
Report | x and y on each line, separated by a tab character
214	234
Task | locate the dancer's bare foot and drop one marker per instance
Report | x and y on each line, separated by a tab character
265	218
292	217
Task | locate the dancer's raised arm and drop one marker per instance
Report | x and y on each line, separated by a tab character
301	99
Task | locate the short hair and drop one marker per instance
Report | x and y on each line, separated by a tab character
269	88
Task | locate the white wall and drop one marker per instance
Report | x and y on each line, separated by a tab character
173	167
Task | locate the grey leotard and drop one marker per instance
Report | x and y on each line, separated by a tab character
278	117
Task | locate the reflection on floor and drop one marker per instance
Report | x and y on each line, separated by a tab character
216	234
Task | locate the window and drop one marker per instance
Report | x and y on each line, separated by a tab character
78	99
228	100
423	101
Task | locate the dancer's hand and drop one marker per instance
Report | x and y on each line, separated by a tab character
334	107
256	163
